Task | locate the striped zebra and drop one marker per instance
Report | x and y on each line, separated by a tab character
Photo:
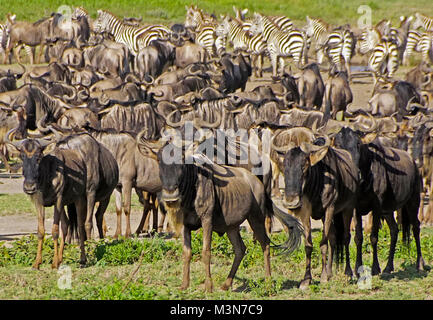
422	21
334	43
241	40
400	35
383	60
425	46
205	29
280	44
133	37
418	42
413	39
282	22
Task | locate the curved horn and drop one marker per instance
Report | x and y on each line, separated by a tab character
282	149
7	139
174	124
369	129
73	95
199	123
309	147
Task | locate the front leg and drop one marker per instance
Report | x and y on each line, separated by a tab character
327	267
41	233
58	212
206	251
187	254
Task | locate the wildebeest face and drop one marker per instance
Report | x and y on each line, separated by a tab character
171	176
295	164
31	153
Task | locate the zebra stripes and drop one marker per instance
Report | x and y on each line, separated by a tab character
282	22
419	42
279	43
241	40
423	21
132	36
383	60
204	27
335	43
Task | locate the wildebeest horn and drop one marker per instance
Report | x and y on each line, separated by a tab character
281	149
309	147
73	95
373	127
174	124
425	83
148	83
7	139
199	123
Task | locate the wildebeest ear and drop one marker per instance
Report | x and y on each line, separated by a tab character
317	156
315	153
369	137
49	148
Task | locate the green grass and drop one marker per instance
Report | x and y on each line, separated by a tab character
111	262
20	203
334	11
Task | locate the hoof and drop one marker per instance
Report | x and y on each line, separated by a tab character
305	284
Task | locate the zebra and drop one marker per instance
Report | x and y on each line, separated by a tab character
318	30
279	43
425	46
133	37
423	21
418	42
205	28
335	43
400	35
383	60
413	39
282	22
241	40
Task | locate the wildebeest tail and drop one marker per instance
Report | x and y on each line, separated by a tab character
339	237
73	221
295	230
409	213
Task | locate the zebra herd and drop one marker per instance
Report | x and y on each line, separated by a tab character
277	37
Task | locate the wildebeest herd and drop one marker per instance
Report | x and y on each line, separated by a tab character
120	105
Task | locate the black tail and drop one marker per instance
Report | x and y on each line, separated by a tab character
73	222
339	237
296	230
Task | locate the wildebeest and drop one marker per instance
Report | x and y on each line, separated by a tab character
235	72
207	195
422	149
77	171
31	34
310	86
320	182
153	59
389	180
338	94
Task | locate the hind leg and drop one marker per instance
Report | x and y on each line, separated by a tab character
259	228
239	248
100	216
374	237
393	228
411	213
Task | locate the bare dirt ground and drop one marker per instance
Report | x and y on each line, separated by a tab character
12	226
